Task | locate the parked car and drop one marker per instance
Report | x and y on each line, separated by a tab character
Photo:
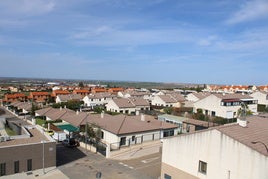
70	142
50	132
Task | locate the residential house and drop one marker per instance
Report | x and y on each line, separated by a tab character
68	97
224	152
127	105
168	100
116	131
97	99
122	130
225	105
39	97
55	93
261	96
134	93
115	90
82	92
193	97
263	88
9	98
98	90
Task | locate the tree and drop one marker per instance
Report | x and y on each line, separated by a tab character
33	109
81	84
244	111
93	132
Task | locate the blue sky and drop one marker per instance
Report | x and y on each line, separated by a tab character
198	41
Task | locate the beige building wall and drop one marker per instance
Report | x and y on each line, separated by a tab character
175	173
22	153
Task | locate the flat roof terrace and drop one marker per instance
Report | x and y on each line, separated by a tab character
36	136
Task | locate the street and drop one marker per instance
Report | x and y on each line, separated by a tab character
76	163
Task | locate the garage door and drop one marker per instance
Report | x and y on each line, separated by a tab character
229	115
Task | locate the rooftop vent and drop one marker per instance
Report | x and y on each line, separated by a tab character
242	122
142	117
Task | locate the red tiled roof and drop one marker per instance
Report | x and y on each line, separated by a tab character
81	91
39	93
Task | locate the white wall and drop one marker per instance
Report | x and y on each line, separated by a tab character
261	97
220	152
213	103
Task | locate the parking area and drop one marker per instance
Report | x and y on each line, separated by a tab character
77	163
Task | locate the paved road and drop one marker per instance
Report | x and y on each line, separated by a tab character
74	163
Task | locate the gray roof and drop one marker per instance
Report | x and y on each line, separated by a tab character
123	124
256	130
172	98
100	95
233	96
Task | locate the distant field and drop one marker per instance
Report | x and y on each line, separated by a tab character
126	84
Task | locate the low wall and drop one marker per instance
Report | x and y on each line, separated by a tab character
88	147
136	151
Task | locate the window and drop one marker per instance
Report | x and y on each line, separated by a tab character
133	138
123	141
16	167
2	169
29	165
202	168
102	134
166	176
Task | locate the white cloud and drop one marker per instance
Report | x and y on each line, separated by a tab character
109	36
207	41
26	7
251	10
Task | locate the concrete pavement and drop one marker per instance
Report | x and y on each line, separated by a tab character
51	172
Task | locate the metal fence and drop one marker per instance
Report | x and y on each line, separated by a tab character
134	140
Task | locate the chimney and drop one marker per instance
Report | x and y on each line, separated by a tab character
142	117
102	114
242	122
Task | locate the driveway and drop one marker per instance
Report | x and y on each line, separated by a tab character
77	163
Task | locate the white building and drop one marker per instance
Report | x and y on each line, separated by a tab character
225	152
225	105
121	130
97	99
68	97
261	96
127	105
168	100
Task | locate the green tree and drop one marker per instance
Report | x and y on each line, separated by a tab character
93	132
81	84
168	110
244	111
33	109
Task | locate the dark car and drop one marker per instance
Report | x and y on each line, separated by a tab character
70	142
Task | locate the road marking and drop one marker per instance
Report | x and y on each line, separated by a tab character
125	165
149	160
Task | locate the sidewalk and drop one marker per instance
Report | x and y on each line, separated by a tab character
51	172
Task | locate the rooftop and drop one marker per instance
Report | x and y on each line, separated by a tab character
36	137
255	131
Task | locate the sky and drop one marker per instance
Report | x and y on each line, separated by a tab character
181	41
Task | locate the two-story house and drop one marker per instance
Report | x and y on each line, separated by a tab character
225	105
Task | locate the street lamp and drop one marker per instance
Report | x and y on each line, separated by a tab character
43	155
256	142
